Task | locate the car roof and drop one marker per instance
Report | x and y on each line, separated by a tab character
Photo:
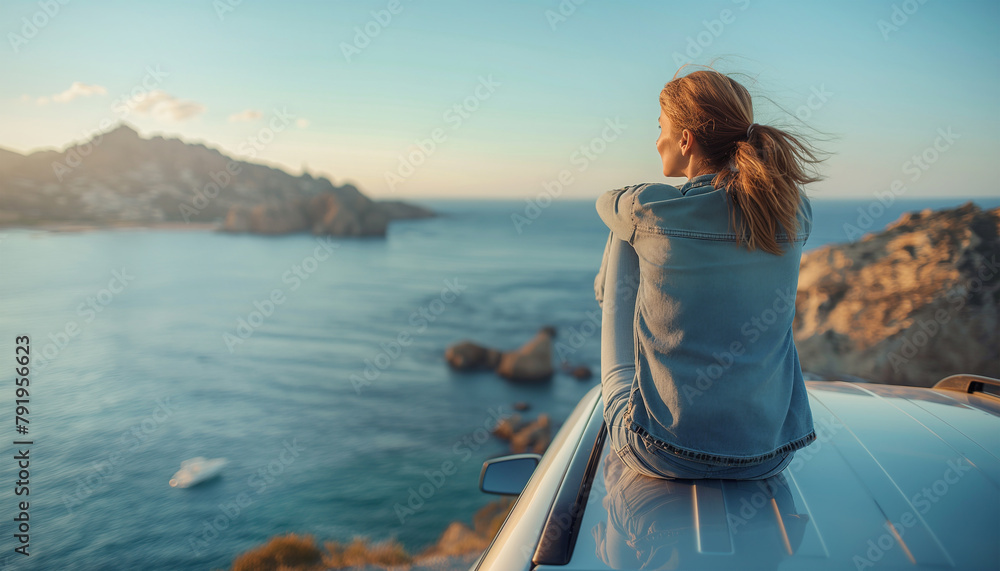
899	477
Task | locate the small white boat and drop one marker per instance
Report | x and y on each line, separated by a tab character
196	470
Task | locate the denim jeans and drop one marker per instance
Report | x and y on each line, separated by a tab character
638	451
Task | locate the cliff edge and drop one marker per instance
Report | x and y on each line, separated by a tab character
909	305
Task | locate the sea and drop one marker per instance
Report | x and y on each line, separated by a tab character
314	366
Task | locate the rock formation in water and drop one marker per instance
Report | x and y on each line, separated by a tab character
468	356
532	362
909	305
120	178
525	435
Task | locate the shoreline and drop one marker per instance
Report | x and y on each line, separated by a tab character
78	227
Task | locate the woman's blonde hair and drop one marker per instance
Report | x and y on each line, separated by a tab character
762	168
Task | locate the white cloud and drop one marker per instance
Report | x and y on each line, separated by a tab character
77	89
301	123
245	116
162	106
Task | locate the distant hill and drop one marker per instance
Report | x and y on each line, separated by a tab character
120	178
8	158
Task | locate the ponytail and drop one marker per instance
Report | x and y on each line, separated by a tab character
763	182
762	168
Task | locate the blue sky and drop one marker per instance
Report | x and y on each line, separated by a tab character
535	81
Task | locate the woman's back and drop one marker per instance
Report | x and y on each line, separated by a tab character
717	376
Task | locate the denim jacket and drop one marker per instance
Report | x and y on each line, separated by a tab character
717	377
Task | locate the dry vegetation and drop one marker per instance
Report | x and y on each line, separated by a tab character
293	552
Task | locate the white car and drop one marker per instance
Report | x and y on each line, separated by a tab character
899	478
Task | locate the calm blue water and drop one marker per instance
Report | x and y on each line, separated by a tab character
148	380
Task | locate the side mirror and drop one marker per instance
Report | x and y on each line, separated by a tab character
507	475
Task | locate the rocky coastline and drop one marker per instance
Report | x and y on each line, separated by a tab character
119	179
909	305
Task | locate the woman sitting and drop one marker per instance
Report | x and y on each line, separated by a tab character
700	376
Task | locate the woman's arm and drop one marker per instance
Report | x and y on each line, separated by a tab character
616	209
618	314
602	273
